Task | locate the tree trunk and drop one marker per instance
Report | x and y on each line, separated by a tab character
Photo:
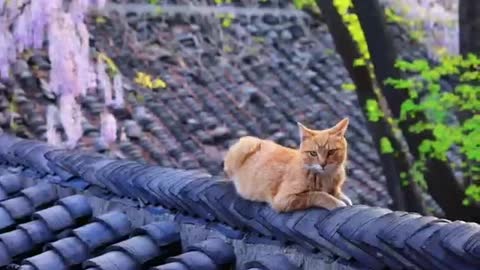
442	184
469	22
406	198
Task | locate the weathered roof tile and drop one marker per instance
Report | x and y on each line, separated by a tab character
77	206
221	253
40	194
416	243
112	261
45	261
303	227
16	242
9	184
434	248
194	260
171	266
219	196
5	257
456	240
271	262
361	235
55	217
71	249
16	208
140	248
117	222
247	212
472	246
329	227
32	153
38	231
349	230
276	223
7	141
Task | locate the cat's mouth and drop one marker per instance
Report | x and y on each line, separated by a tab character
315	168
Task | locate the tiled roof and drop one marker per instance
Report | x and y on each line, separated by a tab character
45	232
358	237
282	69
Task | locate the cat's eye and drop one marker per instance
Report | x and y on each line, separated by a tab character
331	152
312	153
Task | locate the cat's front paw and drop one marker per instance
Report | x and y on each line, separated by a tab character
334	204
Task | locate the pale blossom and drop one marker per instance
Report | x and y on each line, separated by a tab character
118	89
108	129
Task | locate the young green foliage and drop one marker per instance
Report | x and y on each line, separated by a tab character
386	146
374	111
427	96
353	24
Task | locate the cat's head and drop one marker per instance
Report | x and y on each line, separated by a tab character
324	151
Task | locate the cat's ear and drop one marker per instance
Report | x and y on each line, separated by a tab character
304	132
340	128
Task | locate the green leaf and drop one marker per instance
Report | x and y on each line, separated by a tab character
386	146
417	35
227	22
300	4
473	192
417	171
359	62
425	146
348	87
407	108
434	87
373	110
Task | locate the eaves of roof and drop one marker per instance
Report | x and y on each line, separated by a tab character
361	236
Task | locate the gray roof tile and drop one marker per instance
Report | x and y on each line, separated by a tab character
277	262
456	240
194	260
38	231
55	217
472	246
171	266
434	248
9	184
102	235
221	253
416	243
360	236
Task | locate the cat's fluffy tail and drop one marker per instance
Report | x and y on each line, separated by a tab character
239	153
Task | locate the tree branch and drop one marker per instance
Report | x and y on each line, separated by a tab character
407	198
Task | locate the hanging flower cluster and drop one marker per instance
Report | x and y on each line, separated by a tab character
60	27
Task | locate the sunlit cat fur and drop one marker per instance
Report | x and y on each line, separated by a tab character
292	179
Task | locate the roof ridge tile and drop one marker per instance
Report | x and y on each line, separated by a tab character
371	237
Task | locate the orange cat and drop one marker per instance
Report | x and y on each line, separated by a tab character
292	179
